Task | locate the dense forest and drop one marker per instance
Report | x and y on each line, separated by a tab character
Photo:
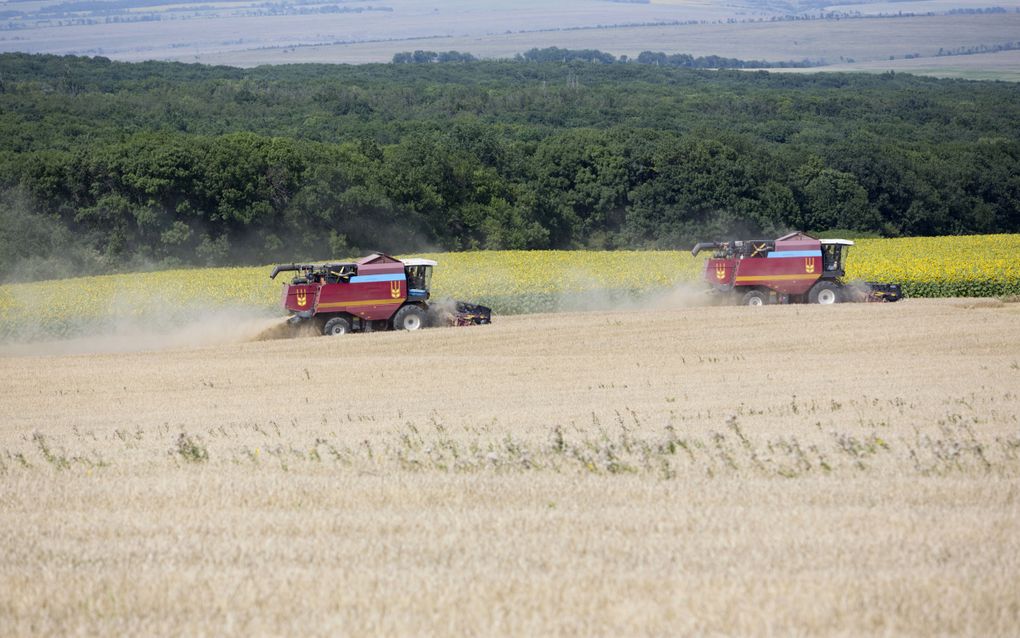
107	166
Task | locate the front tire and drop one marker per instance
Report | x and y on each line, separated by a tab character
336	326
825	293
409	318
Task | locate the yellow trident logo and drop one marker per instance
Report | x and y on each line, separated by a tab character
720	272
809	264
395	289
302	297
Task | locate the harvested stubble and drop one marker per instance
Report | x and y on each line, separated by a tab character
842	470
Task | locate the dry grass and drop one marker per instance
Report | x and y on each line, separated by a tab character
784	470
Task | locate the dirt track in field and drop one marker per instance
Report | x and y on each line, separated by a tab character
799	469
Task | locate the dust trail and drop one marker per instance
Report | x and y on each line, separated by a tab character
200	329
857	291
592	297
282	329
442	312
683	295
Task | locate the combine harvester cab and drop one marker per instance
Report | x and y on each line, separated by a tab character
796	268
377	292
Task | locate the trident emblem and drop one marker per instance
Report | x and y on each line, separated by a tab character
809	264
302	297
720	272
395	289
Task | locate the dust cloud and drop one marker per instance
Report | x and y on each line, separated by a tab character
133	323
599	299
685	295
140	334
442	312
857	291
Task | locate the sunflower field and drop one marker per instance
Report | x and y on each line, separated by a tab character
970	266
511	282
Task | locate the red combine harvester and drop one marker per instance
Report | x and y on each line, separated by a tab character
795	268
377	292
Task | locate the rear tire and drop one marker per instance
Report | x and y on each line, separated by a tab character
825	293
409	318
755	298
336	326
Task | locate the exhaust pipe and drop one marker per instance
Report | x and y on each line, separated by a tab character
289	267
705	245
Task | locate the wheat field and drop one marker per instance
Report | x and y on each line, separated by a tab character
785	470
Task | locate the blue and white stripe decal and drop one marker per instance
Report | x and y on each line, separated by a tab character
366	279
795	253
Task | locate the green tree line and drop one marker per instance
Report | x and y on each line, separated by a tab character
107	166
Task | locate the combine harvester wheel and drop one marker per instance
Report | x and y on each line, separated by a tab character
825	293
755	298
409	318
336	326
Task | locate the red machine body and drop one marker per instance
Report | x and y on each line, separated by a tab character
789	265
373	288
377	292
795	268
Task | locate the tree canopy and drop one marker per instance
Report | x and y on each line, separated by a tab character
107	165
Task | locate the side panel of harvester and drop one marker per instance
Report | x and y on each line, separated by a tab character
791	267
301	298
719	272
376	292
